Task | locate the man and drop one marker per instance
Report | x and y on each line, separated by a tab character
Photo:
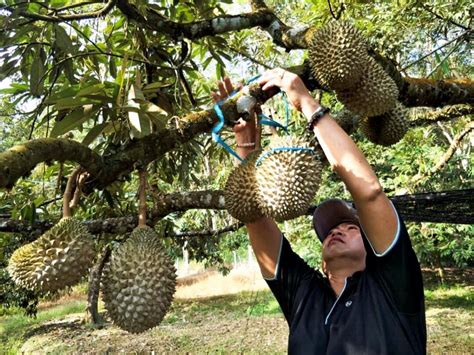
370	300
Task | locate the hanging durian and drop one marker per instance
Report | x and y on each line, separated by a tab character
139	280
57	259
374	95
288	175
240	192
337	55
388	128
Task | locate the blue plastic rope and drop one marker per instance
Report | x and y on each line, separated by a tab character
280	149
218	127
269	122
253	79
263	120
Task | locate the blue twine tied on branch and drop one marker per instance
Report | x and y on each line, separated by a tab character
263	119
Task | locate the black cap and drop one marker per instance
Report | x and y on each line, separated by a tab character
330	214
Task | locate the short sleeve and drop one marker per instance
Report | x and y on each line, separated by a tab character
398	271
292	276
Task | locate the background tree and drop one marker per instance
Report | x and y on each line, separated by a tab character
112	85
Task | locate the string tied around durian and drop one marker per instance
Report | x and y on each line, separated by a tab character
282	149
263	119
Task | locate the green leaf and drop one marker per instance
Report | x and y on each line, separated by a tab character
93	89
7	69
94	133
73	120
69	71
36	76
63	40
112	67
69	102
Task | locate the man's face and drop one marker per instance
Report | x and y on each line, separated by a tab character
344	241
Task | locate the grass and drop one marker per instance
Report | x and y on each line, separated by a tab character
13	328
255	303
243	322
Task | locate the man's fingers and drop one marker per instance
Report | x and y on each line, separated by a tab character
215	96
269	84
228	85
222	89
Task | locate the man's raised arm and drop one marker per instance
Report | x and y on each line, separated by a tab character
375	210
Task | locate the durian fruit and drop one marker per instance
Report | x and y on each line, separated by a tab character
374	95
348	120
57	259
388	128
287	180
240	192
138	282
338	55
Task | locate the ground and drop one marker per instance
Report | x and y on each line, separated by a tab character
241	316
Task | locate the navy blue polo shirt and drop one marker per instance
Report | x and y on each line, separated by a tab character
380	310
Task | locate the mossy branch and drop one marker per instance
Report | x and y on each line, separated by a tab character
21	159
438	207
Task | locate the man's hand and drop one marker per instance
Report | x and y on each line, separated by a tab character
245	131
294	88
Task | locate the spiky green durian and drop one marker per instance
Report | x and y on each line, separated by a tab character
337	55
288	175
388	128
375	94
57	259
348	120
240	192
139	282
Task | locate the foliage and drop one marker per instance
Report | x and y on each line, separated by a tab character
11	295
106	80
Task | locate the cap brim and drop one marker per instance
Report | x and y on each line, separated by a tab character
330	214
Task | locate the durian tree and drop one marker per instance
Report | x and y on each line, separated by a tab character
114	85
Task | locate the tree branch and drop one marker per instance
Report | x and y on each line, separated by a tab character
21	159
183	201
153	21
208	233
437	207
452	148
447	155
447	113
436	93
61	18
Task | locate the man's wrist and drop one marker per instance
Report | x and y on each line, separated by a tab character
308	106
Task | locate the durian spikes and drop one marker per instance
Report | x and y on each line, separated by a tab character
240	192
287	179
337	54
139	282
56	260
388	128
60	257
339	61
139	279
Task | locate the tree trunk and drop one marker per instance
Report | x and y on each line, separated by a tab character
92	311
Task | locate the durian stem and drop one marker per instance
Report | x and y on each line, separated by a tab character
71	182
78	192
142	199
92	310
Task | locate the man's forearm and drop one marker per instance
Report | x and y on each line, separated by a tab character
374	208
343	154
